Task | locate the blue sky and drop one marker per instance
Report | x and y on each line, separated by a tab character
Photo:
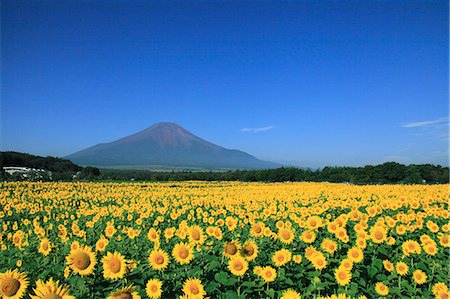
309	83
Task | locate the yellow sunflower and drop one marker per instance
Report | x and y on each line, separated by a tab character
281	257
319	261
381	289
268	274
13	284
249	250
286	235
51	289
388	265
114	266
154	288
257	230
231	248
355	254
401	268
101	244
125	293
45	247
158	259
342	276
238	265
196	235
378	234
193	288
290	294
419	277
183	253
82	260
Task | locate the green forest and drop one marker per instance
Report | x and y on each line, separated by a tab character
387	173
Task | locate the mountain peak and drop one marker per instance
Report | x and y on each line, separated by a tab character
169	144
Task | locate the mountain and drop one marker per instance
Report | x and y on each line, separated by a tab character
169	145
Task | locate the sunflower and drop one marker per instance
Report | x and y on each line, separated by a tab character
381	289
378	234
286	235
401	268
74	245
51	289
388	265
430	249
196	235
249	250
13	284
290	294
183	253
153	235
110	230
45	247
257	270
419	277
82	260
308	236
158	259
438	288
230	249
193	288
101	244
297	258
268	274
257	230
238	265
125	293
114	266
343	276
319	261
355	254
153	288
281	257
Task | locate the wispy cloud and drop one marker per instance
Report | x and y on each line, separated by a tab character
257	130
426	123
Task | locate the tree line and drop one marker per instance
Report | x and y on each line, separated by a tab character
387	173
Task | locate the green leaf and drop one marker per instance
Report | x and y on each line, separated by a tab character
270	293
211	286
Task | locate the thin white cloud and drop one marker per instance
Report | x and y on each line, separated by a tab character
426	123
257	130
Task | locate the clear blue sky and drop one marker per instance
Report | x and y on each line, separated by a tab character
312	83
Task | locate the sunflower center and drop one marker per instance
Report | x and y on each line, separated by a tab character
10	286
231	249
285	234
194	289
342	275
195	235
238	266
268	274
355	254
154	288
81	260
114	265
45	246
378	235
159	259
123	296
258	229
280	258
249	250
184	253
52	296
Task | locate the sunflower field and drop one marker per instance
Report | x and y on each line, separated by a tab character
223	240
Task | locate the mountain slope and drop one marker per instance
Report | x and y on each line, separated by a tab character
166	144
